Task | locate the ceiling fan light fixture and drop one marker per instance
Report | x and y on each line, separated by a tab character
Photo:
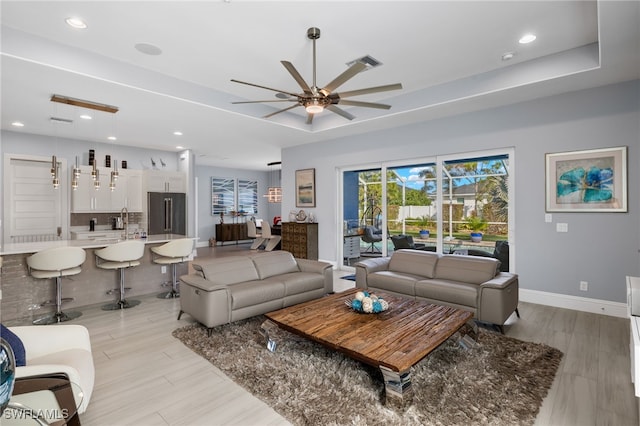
314	108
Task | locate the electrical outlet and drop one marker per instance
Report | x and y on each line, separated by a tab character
584	286
163	269
562	227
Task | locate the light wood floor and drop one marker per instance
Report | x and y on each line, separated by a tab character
146	377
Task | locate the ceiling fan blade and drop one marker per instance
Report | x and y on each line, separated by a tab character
309	118
296	76
340	111
265	87
363	104
270	100
279	111
342	78
368	90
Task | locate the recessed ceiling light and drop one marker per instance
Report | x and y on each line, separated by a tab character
86	117
148	49
508	55
527	38
179	147
76	23
17	124
112	138
177	133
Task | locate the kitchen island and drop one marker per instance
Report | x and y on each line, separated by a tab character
22	294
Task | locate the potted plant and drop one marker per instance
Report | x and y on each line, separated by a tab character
476	224
424	222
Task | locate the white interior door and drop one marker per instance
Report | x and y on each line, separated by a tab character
34	210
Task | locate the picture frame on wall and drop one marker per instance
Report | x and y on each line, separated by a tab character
306	188
587	181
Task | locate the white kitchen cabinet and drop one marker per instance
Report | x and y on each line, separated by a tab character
86	198
161	181
127	193
134	199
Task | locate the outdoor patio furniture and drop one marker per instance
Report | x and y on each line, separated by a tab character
372	236
406	242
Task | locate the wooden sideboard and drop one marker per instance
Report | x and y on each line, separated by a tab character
300	239
231	232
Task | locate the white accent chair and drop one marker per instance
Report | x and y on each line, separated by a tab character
173	253
62	349
56	263
272	240
120	256
252	233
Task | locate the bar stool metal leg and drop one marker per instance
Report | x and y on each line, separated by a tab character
58	316
121	303
174	292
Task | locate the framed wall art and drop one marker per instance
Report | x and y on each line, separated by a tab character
306	188
587	181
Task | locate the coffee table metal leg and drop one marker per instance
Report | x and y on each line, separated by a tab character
397	385
264	330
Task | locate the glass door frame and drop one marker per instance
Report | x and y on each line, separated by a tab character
439	161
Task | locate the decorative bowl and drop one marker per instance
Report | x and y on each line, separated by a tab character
367	303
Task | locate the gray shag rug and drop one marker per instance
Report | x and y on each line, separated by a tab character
502	381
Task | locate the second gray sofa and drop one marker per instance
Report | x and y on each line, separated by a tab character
228	289
466	282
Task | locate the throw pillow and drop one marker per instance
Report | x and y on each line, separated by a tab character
16	345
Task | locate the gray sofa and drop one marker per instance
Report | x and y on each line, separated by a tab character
228	289
466	282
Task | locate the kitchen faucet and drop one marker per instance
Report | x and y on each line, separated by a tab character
125	221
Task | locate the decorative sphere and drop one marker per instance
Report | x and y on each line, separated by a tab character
367	305
360	296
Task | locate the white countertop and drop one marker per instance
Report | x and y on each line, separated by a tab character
19	248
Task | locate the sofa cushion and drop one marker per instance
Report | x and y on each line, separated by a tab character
467	269
274	263
255	292
227	270
301	282
393	281
448	291
415	262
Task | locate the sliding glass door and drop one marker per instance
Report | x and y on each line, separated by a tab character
451	204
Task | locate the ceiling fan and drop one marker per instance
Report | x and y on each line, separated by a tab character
315	99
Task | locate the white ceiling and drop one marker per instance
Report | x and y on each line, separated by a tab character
447	55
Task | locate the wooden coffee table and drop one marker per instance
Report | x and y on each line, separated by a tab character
393	340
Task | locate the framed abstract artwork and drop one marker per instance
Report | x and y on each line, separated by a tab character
587	181
306	188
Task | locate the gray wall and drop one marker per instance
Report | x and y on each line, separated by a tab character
206	221
601	248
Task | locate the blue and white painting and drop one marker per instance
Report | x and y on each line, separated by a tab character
585	181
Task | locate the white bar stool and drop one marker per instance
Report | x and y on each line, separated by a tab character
252	232
120	256
56	263
173	253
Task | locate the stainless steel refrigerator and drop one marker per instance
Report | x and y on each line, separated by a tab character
167	213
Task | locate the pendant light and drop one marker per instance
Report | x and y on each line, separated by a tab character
274	191
54	172
76	175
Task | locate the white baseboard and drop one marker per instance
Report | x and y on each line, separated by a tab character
595	306
202	244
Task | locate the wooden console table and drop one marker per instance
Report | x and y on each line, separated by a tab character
231	232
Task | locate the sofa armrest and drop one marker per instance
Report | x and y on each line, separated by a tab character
502	280
197	281
324	268
498	298
307	265
369	266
